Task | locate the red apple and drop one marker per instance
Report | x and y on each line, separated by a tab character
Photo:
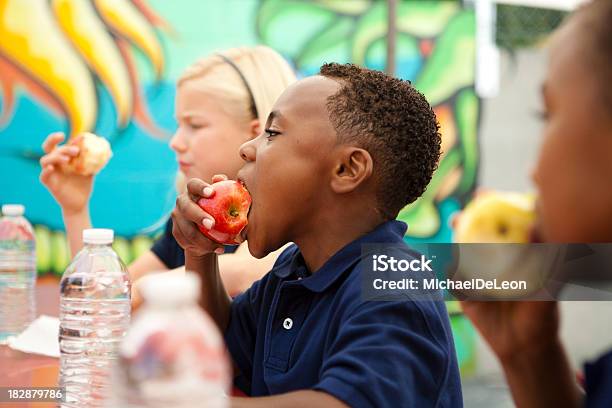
229	206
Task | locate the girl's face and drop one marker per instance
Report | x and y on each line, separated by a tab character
574	170
208	138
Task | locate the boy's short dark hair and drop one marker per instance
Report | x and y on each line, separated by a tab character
394	122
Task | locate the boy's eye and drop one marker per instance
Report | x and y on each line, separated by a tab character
271	133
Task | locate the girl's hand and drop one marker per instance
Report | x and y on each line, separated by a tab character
71	191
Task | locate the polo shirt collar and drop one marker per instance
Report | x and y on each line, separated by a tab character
388	232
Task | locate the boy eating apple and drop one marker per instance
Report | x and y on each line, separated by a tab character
342	153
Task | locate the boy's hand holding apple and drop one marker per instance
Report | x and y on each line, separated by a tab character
207	216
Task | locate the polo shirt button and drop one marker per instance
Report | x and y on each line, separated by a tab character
288	323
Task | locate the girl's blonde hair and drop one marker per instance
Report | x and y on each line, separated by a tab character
264	70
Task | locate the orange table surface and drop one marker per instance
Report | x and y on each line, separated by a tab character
19	369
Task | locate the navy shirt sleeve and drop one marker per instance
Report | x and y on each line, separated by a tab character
386	352
168	250
598	382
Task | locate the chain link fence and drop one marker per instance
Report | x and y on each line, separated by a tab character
523	27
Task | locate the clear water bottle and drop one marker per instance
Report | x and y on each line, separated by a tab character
94	317
17	272
173	354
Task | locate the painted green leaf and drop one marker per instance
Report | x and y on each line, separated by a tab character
466	112
60	254
352	7
451	65
422	216
331	44
123	249
43	249
465	343
425	18
278	20
371	26
140	245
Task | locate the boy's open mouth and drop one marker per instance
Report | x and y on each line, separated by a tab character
242	182
243	233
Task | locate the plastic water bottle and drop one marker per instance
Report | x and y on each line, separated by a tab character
173	354
17	272
94	317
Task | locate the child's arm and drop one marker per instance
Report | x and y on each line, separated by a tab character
145	264
542	378
296	399
71	191
213	298
525	338
75	223
200	252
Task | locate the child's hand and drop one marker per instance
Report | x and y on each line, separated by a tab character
187	215
512	328
71	191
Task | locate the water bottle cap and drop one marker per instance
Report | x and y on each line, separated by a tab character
170	287
98	236
13	210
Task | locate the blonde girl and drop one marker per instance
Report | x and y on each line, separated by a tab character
222	101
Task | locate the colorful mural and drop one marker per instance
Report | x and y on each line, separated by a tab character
109	66
435	50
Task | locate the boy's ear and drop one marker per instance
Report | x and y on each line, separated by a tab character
355	166
255	129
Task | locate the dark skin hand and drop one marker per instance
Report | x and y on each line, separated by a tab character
200	252
524	336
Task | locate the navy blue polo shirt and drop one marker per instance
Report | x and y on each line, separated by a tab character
598	382
293	331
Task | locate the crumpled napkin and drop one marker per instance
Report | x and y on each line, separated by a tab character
41	337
